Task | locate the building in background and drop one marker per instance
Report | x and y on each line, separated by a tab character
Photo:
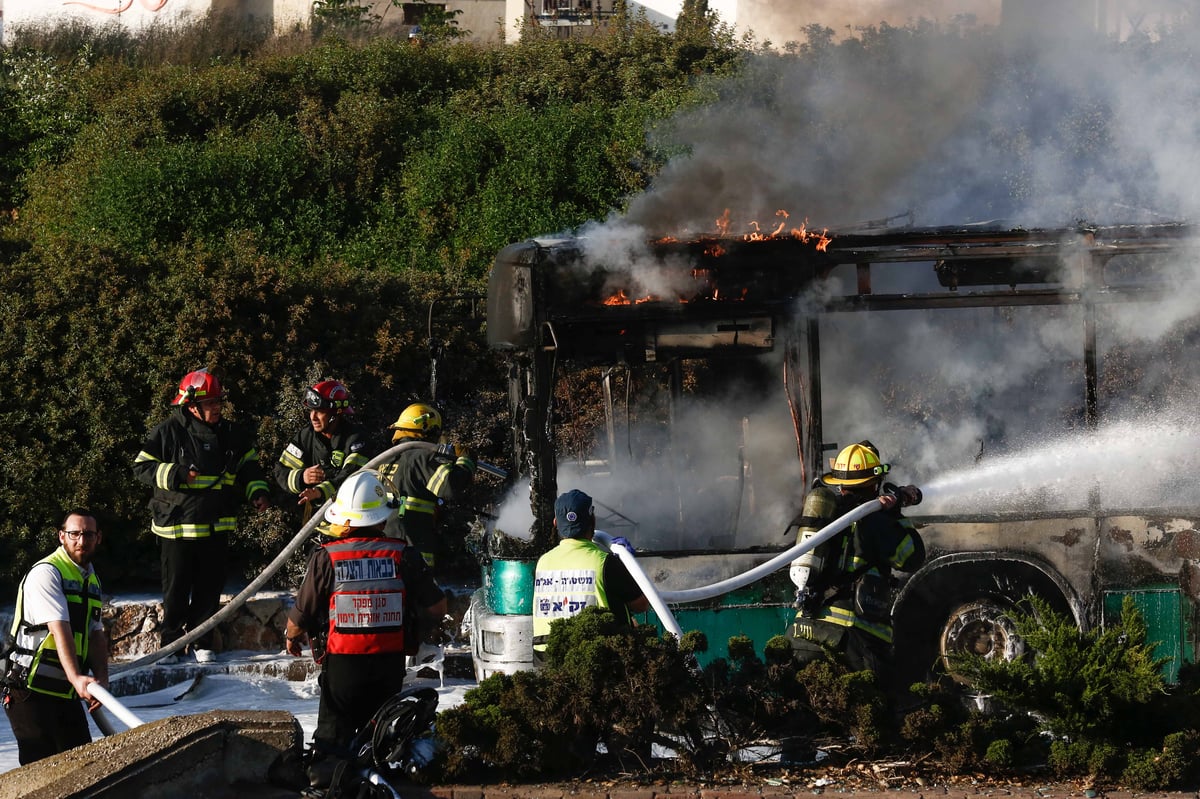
493	21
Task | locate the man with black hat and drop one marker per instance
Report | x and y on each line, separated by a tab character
578	574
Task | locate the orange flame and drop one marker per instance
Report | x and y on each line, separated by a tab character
820	240
621	298
723	223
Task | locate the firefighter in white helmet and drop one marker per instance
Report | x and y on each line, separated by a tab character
844	585
363	592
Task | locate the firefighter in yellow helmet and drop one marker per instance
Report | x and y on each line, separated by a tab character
844	586
424	478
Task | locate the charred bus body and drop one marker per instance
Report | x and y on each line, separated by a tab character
966	354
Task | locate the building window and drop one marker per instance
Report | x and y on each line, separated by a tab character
414	13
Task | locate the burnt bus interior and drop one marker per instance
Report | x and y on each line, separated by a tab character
772	316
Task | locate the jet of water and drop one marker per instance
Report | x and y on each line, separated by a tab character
1126	465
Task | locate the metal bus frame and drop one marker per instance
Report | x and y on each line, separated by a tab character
740	300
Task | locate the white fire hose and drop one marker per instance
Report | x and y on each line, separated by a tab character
658	599
127	717
776	563
250	590
644	582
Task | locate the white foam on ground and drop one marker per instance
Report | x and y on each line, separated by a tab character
234	692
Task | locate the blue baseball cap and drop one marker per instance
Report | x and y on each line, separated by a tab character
573	513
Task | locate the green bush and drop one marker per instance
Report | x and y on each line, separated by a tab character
1084	685
281	211
601	683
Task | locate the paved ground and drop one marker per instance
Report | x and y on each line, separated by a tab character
770	790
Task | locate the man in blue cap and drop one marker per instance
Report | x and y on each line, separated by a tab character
578	574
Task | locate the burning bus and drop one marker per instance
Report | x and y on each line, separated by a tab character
1033	382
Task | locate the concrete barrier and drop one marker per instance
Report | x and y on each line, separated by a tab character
215	754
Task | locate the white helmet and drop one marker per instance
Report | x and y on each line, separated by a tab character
362	501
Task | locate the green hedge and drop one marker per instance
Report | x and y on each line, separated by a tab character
287	214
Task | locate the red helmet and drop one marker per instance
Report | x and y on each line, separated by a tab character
328	395
196	386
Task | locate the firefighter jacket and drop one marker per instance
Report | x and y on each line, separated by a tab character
34	661
228	473
854	586
357	575
569	578
341	455
424	479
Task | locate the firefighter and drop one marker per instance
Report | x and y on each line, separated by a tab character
360	590
324	452
57	636
577	573
201	467
844	586
425	478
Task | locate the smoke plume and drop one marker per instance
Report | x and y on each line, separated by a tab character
925	127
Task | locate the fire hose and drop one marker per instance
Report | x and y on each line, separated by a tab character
658	599
275	565
127	716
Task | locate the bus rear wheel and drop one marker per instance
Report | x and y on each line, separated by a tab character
984	628
960	606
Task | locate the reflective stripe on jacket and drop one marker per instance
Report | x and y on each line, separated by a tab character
340	456
422	478
870	548
225	460
35	658
366	608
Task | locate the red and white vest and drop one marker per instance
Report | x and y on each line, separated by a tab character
366	608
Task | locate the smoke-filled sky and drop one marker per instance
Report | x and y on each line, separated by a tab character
927	128
953	127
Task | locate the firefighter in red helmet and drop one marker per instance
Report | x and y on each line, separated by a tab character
201	467
322	454
844	585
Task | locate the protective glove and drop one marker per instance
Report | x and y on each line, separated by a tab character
621	540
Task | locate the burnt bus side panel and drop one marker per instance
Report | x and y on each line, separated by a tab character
511	301
1081	565
1155	559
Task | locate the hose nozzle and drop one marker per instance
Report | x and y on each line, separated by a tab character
906	496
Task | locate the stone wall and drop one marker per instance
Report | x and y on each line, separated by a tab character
133	626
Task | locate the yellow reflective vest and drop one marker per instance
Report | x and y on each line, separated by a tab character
567	579
35	659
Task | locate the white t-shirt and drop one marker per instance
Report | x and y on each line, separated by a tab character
43	597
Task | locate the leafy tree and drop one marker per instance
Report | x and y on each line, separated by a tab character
437	22
342	15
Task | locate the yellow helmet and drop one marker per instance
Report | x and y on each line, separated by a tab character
855	465
417	421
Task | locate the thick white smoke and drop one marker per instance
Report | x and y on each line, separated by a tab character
926	127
